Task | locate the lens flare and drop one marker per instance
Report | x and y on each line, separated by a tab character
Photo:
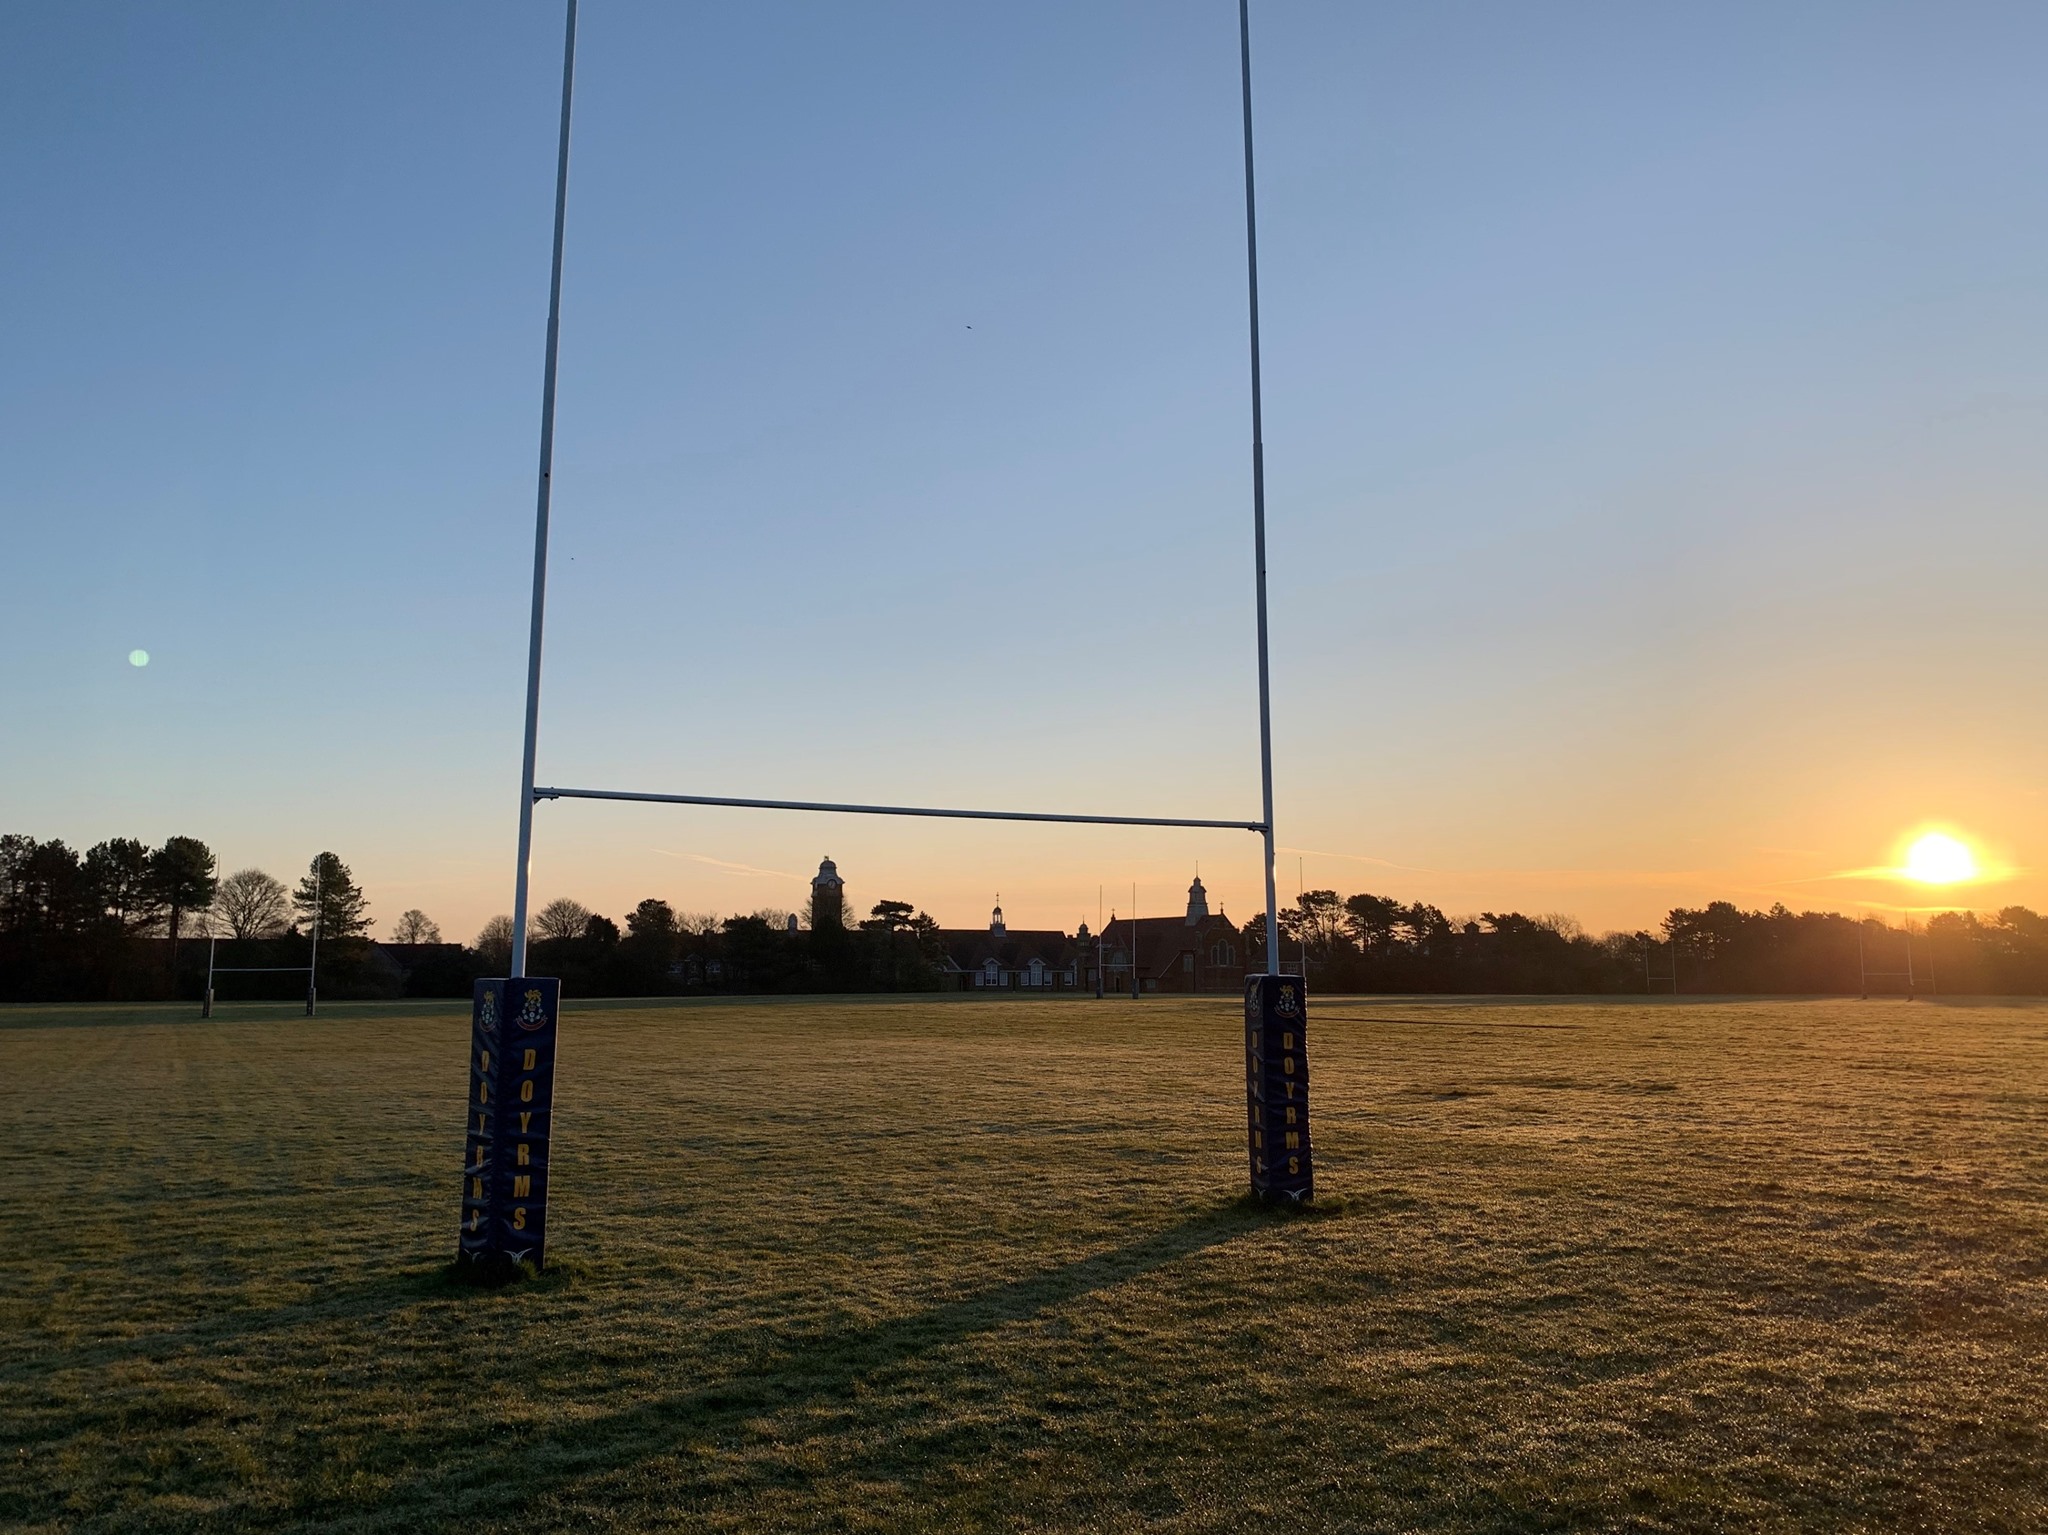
1939	859
138	658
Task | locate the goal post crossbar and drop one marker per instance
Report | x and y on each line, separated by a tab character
738	803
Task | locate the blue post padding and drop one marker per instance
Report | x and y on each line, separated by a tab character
1276	1088
510	1124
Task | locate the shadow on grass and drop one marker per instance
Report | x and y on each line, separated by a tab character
367	1298
809	1374
351	1300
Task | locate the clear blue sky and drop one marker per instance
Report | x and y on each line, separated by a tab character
1656	405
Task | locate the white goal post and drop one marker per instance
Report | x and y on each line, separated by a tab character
310	970
530	794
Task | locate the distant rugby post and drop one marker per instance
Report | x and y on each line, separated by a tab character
504	1173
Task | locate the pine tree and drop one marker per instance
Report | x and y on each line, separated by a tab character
182	871
330	894
124	886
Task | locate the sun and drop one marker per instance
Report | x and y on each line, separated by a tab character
1939	859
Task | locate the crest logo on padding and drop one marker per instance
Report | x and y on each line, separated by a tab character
533	1015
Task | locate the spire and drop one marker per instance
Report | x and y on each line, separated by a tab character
1198	902
995	918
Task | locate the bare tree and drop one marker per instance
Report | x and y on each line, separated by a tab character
561	918
699	923
415	927
494	944
251	903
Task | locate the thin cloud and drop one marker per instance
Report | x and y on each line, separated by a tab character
1607	876
1384	863
745	869
1987	874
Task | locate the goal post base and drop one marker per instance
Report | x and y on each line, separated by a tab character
1276	1089
490	1272
512	1030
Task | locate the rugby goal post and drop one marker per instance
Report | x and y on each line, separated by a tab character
1913	977
310	970
514	1020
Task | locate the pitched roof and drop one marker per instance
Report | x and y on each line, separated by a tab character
1162	940
972	947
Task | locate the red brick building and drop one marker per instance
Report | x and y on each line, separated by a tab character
1197	951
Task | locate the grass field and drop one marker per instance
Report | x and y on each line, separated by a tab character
980	1265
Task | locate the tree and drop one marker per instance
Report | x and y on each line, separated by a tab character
642	961
905	936
652	938
330	902
117	872
1422	926
182	873
901	918
1322	922
1371	920
652	920
889	917
17	854
415	926
757	953
252	904
1254	935
494	945
2018	919
1709	933
42	887
561	918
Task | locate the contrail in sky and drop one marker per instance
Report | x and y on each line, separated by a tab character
732	868
1316	852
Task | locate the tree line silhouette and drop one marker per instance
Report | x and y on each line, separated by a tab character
119	922
1370	943
123	921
